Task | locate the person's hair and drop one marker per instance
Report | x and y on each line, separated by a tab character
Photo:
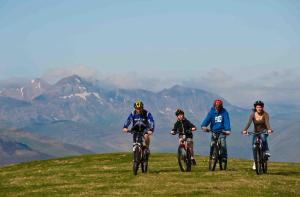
258	103
179	111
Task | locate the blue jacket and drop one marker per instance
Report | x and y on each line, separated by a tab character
219	121
141	121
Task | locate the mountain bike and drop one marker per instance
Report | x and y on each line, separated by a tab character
216	154
184	155
140	152
260	158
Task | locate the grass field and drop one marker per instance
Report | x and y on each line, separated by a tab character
111	175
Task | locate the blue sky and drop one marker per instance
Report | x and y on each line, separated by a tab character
159	38
149	35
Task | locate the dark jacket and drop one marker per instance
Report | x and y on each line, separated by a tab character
140	122
184	127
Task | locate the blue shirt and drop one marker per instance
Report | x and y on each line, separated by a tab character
218	121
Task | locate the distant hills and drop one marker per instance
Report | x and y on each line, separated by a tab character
85	114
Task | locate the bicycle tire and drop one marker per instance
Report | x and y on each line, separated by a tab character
136	160
223	164
213	159
181	157
265	164
144	163
257	160
188	161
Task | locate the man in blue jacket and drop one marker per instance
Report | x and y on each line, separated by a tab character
141	120
218	119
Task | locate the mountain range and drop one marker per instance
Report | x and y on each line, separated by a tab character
89	116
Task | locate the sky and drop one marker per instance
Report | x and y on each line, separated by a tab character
221	46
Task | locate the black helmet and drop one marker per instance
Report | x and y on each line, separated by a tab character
179	111
259	103
138	104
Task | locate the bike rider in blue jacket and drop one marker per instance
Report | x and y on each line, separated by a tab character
218	119
141	120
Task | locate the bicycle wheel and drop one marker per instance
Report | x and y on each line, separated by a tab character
188	161
144	164
213	159
136	160
181	157
257	160
265	164
223	163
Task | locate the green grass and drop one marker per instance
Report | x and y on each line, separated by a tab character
111	175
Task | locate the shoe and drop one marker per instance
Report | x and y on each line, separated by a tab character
253	167
268	154
194	162
148	151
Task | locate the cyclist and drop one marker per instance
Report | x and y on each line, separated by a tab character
142	121
184	127
260	119
219	121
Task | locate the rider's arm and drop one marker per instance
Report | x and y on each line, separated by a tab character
206	121
249	121
128	121
267	121
227	122
150	122
191	126
175	128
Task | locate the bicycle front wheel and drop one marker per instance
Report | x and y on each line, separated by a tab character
182	159
257	160
213	159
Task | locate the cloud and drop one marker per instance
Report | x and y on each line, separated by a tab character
277	86
55	74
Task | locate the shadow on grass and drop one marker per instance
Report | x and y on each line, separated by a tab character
285	173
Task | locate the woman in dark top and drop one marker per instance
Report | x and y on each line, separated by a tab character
184	127
260	119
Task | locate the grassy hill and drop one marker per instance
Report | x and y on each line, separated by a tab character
111	174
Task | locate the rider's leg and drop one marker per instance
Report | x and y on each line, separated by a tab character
190	146
147	140
223	146
265	147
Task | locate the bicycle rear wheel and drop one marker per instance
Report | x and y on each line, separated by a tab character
223	163
265	164
182	158
188	161
144	164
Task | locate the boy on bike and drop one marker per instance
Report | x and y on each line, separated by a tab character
142	121
218	119
184	127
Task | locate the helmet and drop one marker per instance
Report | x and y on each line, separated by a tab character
179	111
138	104
259	103
218	102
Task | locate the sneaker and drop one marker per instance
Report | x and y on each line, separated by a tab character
268	154
148	151
194	162
253	167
